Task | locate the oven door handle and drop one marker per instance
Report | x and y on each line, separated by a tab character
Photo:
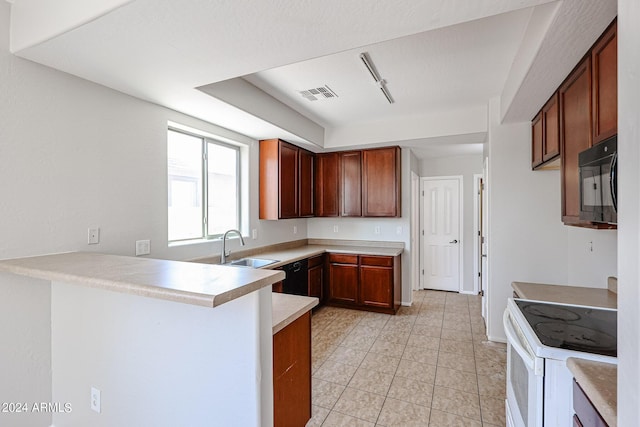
533	363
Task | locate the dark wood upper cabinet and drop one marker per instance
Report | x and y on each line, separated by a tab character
536	141
604	62
286	180
551	125
351	183
296	183
545	136
575	134
327	184
305	180
381	182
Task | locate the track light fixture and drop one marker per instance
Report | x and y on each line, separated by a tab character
364	57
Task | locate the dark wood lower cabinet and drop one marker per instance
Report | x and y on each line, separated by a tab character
586	414
343	279
292	374
365	282
316	277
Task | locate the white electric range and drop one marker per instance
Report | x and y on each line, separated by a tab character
540	338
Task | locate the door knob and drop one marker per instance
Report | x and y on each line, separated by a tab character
454	241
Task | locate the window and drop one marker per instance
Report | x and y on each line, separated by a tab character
203	185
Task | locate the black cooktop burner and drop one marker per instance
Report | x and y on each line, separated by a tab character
585	329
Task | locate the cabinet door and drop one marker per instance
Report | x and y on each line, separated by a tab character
292	373
315	281
536	141
551	126
604	60
343	283
351	183
327	193
381	182
305	165
376	286
575	134
288	174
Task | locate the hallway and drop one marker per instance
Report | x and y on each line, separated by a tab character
429	365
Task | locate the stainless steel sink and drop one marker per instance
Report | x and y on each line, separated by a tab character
252	262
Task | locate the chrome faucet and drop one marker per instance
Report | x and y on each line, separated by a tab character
225	253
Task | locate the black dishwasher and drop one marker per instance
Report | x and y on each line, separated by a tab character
296	280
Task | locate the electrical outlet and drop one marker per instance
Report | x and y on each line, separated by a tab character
254	233
143	247
95	399
93	236
376	229
295	229
335	228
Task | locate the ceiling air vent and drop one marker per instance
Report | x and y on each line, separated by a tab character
323	92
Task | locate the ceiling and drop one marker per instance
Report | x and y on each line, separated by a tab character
448	68
442	61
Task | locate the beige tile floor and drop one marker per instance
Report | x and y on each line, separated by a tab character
429	365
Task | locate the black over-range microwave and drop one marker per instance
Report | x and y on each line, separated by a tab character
599	182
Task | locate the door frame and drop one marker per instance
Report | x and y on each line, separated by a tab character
415	231
460	180
477	238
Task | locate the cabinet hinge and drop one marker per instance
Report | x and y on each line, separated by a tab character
423	272
423	232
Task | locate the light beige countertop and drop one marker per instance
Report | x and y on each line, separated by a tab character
287	308
599	382
576	295
302	249
185	282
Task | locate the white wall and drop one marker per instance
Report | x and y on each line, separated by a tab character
364	228
466	166
158	362
629	213
76	154
592	256
527	241
25	355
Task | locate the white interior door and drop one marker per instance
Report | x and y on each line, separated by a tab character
441	254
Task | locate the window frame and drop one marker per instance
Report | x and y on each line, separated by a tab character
204	158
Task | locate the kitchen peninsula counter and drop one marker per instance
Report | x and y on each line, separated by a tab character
576	295
185	282
288	308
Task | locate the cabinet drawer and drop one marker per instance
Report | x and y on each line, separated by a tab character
381	261
316	260
343	258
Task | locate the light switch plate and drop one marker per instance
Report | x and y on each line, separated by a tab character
143	247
